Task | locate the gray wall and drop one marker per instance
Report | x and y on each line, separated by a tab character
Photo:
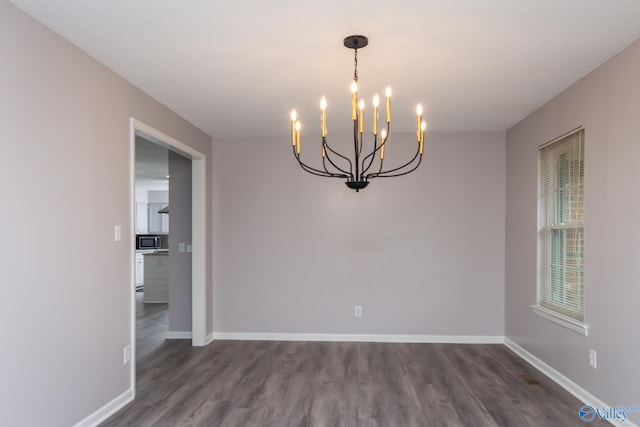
423	254
65	173
179	232
607	103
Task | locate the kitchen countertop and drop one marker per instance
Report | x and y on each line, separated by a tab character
153	251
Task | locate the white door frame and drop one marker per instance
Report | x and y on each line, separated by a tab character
198	231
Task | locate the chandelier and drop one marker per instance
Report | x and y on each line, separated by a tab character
360	168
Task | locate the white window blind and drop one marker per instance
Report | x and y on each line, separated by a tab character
561	226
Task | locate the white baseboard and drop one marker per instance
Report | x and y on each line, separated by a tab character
447	339
179	335
107	410
581	394
208	339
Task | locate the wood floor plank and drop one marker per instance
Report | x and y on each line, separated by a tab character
447	397
253	383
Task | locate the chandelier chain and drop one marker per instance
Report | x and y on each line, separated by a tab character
355	66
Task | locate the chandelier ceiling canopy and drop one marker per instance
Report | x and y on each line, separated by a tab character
361	167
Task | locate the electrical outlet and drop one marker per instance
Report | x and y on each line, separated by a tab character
593	361
127	355
358	311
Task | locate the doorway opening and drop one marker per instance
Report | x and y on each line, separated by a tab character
153	256
198	232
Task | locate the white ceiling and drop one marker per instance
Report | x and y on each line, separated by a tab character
236	68
152	165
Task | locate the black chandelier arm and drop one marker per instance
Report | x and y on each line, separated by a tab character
371	155
387	172
326	144
384	174
315	171
381	163
376	148
318	172
344	173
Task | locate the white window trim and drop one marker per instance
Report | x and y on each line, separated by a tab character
559	319
574	324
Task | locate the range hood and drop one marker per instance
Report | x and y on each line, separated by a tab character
164	210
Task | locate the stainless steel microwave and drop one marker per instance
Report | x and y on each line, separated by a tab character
149	242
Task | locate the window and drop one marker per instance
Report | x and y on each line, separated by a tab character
561	230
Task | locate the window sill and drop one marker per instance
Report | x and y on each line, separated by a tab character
564	321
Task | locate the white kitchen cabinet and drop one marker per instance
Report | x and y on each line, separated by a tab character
156	278
142	218
139	269
158	223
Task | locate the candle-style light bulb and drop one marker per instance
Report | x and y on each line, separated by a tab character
388	106
376	104
298	126
423	127
354	100
383	135
419	115
361	106
323	118
294	116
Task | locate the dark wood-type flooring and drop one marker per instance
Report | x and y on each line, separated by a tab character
262	383
152	324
